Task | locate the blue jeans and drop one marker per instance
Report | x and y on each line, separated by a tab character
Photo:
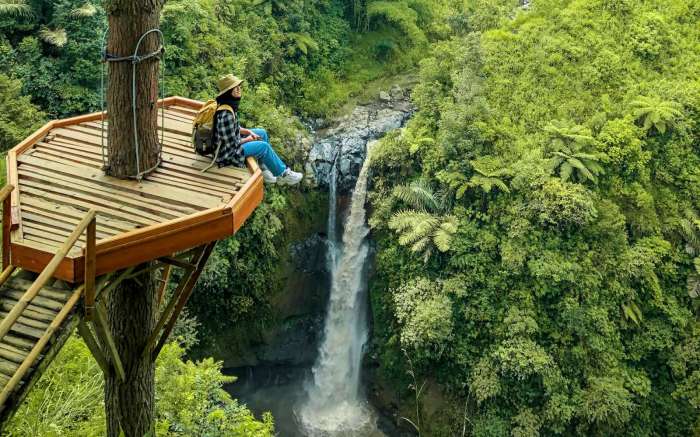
262	151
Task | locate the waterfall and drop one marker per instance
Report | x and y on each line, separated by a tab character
335	405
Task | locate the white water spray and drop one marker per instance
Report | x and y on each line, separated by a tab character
336	406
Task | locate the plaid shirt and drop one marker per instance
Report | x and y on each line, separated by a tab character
228	135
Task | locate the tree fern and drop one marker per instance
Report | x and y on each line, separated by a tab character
15	8
689	227
301	42
419	195
656	113
567	143
423	231
86	10
488	178
55	37
631	311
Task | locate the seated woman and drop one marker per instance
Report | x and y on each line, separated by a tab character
238	143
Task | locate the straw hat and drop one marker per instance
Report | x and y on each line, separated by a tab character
228	82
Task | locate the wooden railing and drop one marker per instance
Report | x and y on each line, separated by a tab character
6	223
88	222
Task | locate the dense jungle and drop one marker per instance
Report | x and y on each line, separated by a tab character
534	225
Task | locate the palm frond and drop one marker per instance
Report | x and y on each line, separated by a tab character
56	37
566	170
418	194
86	10
694	286
16	8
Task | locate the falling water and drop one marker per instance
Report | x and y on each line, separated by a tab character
335	405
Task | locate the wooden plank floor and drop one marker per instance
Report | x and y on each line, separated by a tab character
60	178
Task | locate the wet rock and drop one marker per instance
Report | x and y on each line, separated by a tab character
344	142
385	121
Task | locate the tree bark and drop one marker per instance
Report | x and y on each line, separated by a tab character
128	20
132	305
131	318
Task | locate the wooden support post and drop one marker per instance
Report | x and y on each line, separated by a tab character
44	277
185	295
177	263
93	345
166	313
165	277
103	331
90	264
6	223
39	346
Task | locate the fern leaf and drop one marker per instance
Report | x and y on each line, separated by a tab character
566	170
86	10
15	8
56	37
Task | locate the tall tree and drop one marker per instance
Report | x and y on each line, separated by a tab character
132	306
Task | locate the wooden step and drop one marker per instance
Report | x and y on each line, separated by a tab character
46	291
28	321
11	353
42	301
18	342
32	311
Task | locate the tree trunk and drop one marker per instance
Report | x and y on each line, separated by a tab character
132	305
131	318
128	20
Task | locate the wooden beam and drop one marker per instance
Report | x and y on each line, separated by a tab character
6	223
101	327
177	263
183	298
34	257
44	277
39	346
164	278
130	251
93	345
165	316
90	264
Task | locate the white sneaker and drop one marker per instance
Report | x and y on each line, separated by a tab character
290	177
268	177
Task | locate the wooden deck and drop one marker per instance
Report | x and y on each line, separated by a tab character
58	175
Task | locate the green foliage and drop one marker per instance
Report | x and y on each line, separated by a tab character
656	113
15	8
567	143
18	117
68	399
424	314
400	14
194	402
420	228
566	137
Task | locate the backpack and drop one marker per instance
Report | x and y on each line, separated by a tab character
202	132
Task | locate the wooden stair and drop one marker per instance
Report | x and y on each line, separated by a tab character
50	316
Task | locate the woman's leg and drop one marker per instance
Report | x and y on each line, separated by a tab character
262	133
264	152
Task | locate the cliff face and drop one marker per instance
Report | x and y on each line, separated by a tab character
344	142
